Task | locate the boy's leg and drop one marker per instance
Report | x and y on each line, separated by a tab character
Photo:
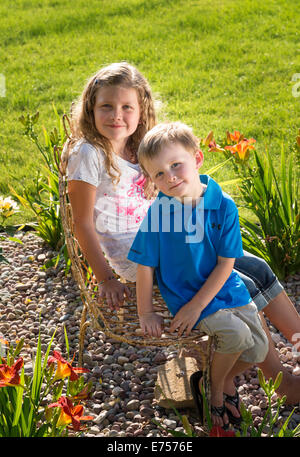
229	385
232	338
221	366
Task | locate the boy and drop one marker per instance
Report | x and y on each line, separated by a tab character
191	237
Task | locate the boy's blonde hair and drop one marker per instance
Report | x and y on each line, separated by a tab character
82	115
164	134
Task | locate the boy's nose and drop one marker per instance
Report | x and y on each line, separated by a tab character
171	177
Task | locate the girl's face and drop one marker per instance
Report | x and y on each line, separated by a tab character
117	114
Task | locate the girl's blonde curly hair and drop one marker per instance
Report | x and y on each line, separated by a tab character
82	122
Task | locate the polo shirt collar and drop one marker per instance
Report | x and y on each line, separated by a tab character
212	196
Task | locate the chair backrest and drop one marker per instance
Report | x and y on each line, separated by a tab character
121	325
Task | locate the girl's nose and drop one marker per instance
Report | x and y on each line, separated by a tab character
116	114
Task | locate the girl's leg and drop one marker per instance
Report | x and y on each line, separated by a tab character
282	313
290	385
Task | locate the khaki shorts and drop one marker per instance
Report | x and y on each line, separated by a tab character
237	330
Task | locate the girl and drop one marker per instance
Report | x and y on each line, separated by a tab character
109	198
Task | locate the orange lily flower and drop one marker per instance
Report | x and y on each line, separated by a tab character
214	147
218	431
242	148
64	368
9	376
234	137
208	139
3	341
69	413
83	394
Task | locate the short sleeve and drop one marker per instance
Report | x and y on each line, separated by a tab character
145	247
84	164
230	243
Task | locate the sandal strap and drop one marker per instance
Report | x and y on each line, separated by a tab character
233	400
218	410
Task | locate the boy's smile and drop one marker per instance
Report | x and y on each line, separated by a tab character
174	170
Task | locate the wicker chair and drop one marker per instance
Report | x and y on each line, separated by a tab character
122	325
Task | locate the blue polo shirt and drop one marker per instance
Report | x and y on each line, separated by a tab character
183	243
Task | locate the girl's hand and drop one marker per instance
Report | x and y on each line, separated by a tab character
114	291
186	318
151	324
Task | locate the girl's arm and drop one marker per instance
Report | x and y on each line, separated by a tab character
188	315
82	198
150	322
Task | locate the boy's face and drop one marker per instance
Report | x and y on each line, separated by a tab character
175	171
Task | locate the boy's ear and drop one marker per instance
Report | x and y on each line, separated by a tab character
199	158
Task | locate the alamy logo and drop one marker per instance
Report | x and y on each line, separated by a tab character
296	347
166	215
2	85
296	87
169	215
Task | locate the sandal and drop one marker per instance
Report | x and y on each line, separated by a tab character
233	400
197	396
220	411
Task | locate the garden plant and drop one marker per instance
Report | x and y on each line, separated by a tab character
25	406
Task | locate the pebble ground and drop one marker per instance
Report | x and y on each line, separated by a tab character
122	399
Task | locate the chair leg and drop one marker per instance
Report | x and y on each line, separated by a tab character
205	363
83	325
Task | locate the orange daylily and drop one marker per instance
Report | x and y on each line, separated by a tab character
242	148
69	413
64	368
218	431
3	341
83	394
9	376
214	147
208	139
234	137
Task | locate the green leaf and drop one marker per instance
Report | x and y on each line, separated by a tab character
278	380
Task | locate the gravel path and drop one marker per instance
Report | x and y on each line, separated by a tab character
123	403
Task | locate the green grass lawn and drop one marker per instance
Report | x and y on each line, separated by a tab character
219	65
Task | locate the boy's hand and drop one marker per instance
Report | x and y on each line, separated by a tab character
186	318
151	324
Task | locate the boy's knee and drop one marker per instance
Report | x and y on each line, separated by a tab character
236	339
258	352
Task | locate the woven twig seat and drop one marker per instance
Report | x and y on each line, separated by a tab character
122	325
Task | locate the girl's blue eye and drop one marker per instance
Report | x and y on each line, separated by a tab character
159	174
174	165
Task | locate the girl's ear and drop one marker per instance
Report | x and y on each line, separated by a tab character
199	158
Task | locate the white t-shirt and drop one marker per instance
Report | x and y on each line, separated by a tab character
119	209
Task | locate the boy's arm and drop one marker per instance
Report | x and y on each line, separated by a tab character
151	322
188	315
